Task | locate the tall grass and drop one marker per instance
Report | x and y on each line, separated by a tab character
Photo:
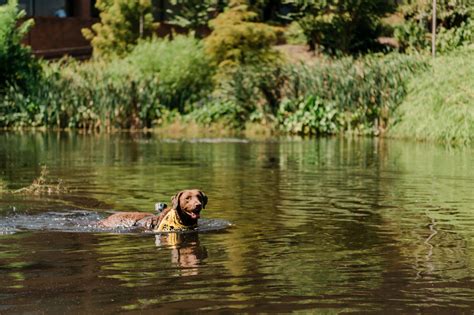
134	92
440	106
363	91
331	96
183	69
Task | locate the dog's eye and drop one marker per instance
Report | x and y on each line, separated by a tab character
187	198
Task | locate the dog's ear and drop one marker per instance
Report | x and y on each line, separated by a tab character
204	199
175	201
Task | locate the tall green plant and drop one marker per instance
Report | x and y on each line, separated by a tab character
122	24
194	14
18	67
454	25
364	91
347	26
238	38
181	66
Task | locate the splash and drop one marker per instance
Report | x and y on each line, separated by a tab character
83	222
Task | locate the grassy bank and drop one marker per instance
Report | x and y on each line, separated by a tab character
142	91
440	102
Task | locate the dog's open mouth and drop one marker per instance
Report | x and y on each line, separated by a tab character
194	215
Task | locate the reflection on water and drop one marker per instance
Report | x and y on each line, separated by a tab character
186	252
331	225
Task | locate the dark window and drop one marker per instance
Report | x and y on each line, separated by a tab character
94	11
58	8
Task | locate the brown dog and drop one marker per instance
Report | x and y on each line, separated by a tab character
183	215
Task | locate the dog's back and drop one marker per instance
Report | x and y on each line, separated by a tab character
126	220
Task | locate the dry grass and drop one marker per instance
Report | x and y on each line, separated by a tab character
43	185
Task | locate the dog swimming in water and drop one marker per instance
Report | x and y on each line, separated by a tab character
183	215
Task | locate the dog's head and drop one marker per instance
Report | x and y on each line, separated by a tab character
189	203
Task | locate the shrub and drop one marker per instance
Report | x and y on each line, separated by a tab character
133	92
91	95
18	67
193	14
183	69
455	27
452	39
237	39
411	37
255	89
310	116
365	91
342	26
228	113
122	24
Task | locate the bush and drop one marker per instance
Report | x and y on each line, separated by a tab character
237	39
91	95
345	26
353	95
253	88
134	92
365	91
228	113
122	24
183	69
18	67
452	39
454	26
411	37
310	116
193	14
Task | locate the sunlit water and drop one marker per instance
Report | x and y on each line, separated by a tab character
330	225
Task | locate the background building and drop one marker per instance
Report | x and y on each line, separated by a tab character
58	24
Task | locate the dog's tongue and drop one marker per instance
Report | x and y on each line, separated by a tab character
194	215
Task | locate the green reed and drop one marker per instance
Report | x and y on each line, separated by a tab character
363	91
439	106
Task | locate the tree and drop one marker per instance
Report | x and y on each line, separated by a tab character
194	14
347	26
454	25
18	67
122	24
238	39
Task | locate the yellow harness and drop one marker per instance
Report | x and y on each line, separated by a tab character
172	223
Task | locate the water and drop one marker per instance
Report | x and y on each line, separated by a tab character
330	225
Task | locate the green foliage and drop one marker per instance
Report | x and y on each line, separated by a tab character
454	26
310	116
294	34
450	13
451	39
17	65
91	95
365	90
256	89
193	14
122	24
335	95
347	26
238	39
439	103
411	37
132	92
227	112
183	69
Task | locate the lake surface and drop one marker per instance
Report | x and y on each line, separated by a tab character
328	225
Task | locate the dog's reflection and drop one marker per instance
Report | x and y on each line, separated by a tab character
186	251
